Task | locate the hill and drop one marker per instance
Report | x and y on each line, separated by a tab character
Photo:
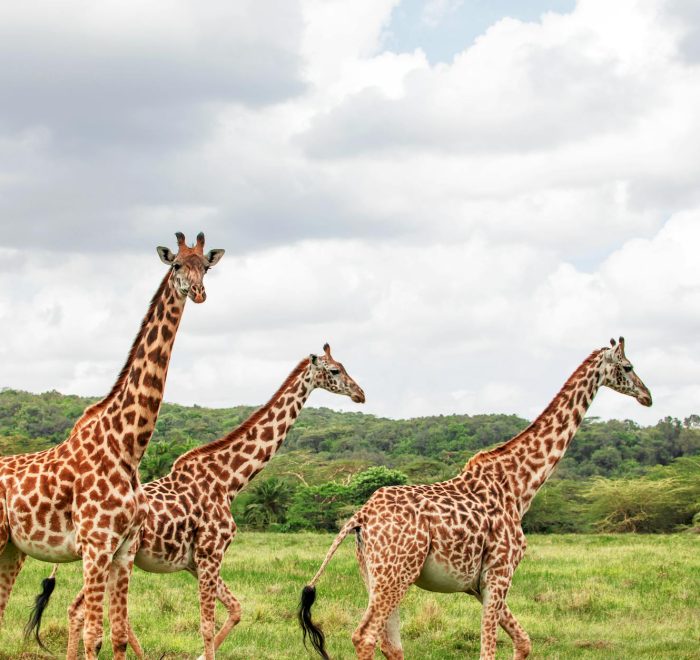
326	450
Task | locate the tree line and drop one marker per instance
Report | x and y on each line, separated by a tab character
616	475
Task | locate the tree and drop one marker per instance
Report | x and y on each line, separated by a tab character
268	502
318	507
364	483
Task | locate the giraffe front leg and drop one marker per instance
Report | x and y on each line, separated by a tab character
96	564
121	632
208	562
494	585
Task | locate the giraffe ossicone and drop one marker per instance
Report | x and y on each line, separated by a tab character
465	534
82	499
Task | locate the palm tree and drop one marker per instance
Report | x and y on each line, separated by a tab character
269	501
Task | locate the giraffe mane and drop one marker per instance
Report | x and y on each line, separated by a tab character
245	426
505	447
97	407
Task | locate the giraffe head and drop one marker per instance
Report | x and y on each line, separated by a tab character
618	373
330	375
188	266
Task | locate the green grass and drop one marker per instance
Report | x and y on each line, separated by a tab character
578	596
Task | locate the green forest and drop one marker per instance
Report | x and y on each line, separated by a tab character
617	476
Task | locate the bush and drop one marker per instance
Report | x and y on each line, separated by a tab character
364	483
640	505
318	507
557	508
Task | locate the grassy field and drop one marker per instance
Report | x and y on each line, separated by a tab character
578	596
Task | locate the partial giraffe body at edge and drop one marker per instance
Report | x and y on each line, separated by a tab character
82	499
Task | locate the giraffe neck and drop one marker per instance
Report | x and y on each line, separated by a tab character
529	458
122	423
233	460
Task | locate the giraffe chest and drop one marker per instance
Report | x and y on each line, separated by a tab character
39	516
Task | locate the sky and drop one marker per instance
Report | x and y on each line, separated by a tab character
465	198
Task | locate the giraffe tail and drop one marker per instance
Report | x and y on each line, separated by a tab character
40	602
308	595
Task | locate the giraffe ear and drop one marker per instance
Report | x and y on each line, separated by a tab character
213	257
166	256
314	359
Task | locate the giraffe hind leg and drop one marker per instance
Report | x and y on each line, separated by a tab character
390	640
387	588
76	619
11	559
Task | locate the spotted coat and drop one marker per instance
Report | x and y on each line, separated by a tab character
465	534
82	499
190	525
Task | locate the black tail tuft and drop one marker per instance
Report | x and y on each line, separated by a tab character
315	634
40	603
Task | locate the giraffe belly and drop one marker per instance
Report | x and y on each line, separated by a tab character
154	564
437	576
64	551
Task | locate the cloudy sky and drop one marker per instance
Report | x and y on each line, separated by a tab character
464	197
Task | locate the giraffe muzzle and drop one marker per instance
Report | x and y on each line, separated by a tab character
197	293
645	399
358	397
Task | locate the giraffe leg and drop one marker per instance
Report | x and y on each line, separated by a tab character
495	583
383	602
390	640
208	565
76	617
521	640
121	632
11	559
134	642
96	565
223	593
386	590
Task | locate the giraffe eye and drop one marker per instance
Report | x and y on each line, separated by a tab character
177	266
334	372
628	368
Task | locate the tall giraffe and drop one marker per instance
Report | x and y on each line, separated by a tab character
190	526
82	499
465	535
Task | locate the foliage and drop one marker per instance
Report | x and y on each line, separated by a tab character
364	483
267	502
559	507
605	481
318	507
660	502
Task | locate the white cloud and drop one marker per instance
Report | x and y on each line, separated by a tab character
463	234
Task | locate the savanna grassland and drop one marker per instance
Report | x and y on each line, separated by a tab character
579	596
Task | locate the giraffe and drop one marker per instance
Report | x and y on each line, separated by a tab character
82	499
465	534
190	526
